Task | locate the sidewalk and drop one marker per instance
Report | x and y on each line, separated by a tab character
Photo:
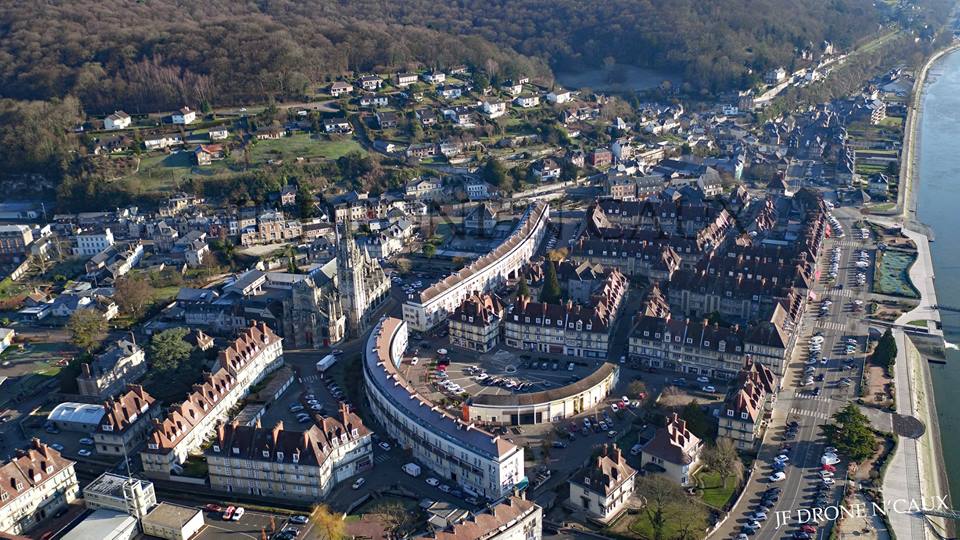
902	478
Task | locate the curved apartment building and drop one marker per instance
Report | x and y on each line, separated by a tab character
476	460
431	306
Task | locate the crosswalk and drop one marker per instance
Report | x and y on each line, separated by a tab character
381	458
310	379
812	414
809	396
829	325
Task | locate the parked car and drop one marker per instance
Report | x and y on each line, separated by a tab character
228	513
359	483
237	514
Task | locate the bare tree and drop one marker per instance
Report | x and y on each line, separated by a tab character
722	459
662	497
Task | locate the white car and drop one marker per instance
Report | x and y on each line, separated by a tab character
86	441
385	446
826	474
444	488
237	514
760	516
83	452
829	481
829	460
777	476
433	482
359	483
703	380
782	458
709	389
816	340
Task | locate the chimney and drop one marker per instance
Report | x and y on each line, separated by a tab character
85	369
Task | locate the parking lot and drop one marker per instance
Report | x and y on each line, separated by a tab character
253	524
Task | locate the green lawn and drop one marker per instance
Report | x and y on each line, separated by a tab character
302	145
892	121
641	527
919	323
712	491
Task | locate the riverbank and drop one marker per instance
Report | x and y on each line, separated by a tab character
918	468
906	197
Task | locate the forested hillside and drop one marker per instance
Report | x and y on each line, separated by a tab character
155	54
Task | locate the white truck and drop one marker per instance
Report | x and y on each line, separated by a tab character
412	469
326	362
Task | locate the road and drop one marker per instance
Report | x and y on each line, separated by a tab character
796	403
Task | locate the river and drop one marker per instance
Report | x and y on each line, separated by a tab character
939	207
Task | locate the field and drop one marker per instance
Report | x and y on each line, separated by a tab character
164	172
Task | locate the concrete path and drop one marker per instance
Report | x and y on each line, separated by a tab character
902	479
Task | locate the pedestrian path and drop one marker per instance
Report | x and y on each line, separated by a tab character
810	396
812	414
310	379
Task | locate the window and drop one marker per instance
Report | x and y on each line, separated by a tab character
216	448
236	451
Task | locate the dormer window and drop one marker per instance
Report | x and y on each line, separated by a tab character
743	415
153	446
107	427
216	448
729	412
279	456
236	451
266	453
296	458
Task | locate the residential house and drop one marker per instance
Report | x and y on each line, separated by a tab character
218	134
548	170
600	158
527	101
337	125
478	190
91	241
425	188
126	421
435	77
421	150
775	76
111	371
184	116
373	100
338	88
386	120
481	220
512	88
404	80
117	120
161	141
475	325
205	154
604	486
427	117
15	241
461	116
449	92
36	483
878	185
494	109
558	97
371	82
674	450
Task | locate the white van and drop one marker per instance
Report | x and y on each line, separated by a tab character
412	469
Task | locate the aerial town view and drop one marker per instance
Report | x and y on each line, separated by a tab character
479	270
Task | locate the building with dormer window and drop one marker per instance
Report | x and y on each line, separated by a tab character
257	352
34	485
674	450
288	464
603	488
125	422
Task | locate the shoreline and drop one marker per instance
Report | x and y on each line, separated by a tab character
932	472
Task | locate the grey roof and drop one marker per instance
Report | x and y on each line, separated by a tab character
547	396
